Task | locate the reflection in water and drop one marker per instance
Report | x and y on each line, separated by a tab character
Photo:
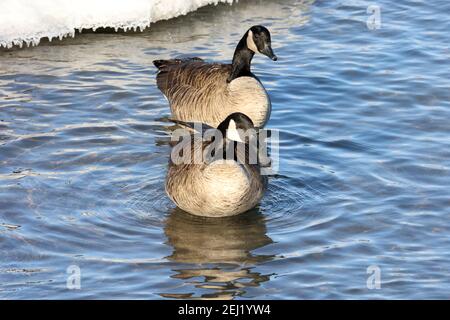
215	254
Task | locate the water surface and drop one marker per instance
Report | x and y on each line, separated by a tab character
364	160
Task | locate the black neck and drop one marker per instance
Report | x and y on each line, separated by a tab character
242	59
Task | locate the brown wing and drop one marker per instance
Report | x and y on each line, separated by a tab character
181	78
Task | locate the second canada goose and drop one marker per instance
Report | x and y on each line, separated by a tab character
222	186
209	92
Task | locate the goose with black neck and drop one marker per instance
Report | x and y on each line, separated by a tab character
209	92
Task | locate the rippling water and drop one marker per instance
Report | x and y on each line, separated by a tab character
364	170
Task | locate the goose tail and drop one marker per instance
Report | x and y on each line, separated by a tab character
161	64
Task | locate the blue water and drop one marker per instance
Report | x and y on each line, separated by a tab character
364	173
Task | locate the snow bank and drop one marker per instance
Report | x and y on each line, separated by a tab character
27	21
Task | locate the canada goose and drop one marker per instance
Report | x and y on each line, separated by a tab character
209	92
220	186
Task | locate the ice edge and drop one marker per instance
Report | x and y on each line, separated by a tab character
139	24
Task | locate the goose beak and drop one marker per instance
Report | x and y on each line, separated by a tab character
267	51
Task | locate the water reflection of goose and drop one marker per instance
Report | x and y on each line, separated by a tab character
217	250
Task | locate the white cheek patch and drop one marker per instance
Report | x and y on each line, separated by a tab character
232	132
250	42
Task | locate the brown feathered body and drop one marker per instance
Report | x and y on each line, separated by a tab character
199	91
215	189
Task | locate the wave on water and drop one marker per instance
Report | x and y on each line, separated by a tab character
28	21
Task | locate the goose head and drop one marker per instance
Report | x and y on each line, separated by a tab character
255	40
235	127
258	40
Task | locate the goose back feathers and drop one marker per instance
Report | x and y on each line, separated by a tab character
199	91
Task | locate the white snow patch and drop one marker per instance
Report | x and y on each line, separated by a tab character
28	21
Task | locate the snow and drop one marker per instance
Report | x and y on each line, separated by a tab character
28	21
